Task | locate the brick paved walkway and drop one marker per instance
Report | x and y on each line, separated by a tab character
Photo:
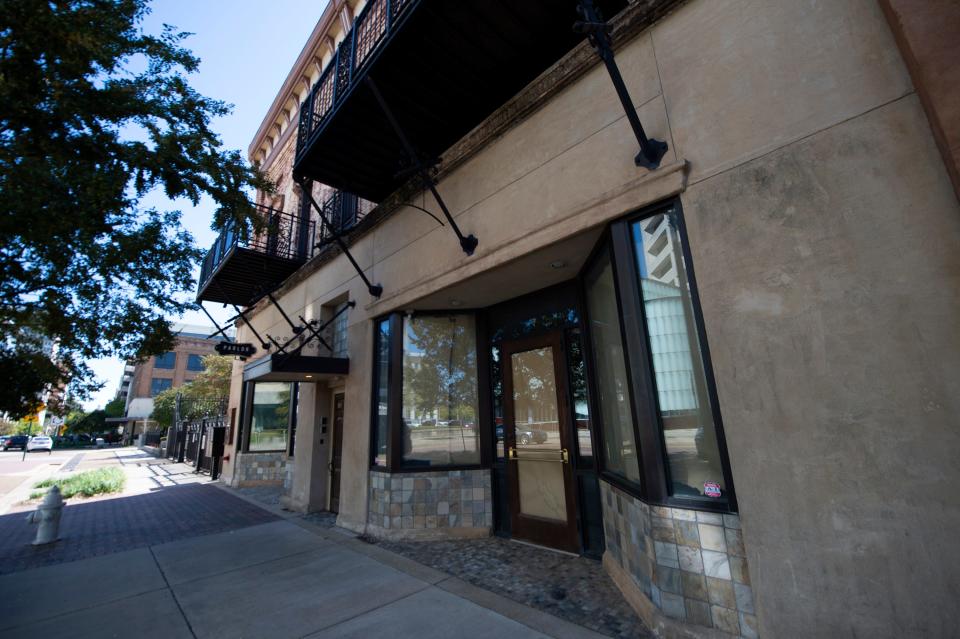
113	525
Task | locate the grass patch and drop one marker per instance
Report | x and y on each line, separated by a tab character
88	483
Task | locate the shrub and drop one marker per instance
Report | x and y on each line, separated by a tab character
88	483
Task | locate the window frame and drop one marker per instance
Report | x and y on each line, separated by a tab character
395	394
617	241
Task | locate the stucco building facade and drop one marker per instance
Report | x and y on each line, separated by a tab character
731	376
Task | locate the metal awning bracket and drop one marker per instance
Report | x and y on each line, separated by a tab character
374	289
241	314
598	33
417	166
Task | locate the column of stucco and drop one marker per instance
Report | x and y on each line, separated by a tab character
826	241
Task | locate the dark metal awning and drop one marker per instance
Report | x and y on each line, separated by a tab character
442	66
280	367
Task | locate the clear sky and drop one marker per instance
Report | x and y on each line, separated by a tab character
246	48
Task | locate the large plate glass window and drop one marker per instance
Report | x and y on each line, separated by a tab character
620	453
440	400
270	416
695	466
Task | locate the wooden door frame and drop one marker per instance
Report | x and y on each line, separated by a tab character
536	530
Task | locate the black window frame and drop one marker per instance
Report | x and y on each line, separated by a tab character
246	416
395	394
617	241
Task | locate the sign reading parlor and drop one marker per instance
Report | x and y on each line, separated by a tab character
242	350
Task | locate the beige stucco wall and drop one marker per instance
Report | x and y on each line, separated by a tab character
825	237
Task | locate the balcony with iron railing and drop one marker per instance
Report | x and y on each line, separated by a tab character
441	67
245	264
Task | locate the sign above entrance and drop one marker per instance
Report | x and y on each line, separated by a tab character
233	348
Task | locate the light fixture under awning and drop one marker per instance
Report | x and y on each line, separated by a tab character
280	367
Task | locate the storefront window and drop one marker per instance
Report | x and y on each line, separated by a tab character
618	440
440	391
689	432
496	389
381	423
270	416
579	396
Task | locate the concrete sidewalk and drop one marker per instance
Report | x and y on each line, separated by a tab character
281	579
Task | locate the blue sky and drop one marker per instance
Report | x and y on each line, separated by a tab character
246	48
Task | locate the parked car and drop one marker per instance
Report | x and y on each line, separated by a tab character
3	439
40	442
16	441
527	435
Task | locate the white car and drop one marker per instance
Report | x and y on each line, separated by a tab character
40	442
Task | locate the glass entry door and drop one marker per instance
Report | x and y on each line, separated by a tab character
537	434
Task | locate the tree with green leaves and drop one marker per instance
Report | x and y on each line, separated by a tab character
208	387
95	115
89	423
115	407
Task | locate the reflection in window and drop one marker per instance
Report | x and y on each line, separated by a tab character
440	391
165	361
496	388
619	445
270	416
579	396
158	385
688	428
381	388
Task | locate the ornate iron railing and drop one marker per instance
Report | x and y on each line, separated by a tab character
344	211
371	27
288	236
282	235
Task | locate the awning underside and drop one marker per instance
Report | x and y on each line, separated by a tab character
280	367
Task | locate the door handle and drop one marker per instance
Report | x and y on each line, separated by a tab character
564	455
511	453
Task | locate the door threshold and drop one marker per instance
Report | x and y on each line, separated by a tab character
533	545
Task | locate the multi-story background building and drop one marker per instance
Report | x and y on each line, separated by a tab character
725	365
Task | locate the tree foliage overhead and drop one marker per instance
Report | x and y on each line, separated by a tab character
94	116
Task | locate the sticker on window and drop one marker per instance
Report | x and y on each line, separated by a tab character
711	489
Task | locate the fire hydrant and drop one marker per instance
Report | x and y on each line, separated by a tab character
48	516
